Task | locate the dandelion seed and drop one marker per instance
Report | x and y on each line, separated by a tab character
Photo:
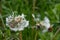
33	15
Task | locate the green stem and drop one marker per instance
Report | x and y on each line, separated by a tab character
34	2
56	33
36	35
2	20
20	35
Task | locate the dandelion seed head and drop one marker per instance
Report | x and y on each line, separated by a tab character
17	23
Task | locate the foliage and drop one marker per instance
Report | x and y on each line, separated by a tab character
49	8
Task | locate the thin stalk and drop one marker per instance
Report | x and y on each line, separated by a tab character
36	35
34	2
20	35
56	33
2	20
1	14
2	17
33	10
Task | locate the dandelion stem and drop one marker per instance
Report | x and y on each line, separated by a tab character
34	2
20	35
36	36
33	10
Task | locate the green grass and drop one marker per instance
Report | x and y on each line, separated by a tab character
29	7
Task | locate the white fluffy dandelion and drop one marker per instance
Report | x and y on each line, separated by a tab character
46	24
16	23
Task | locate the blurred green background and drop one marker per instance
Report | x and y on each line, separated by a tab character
49	8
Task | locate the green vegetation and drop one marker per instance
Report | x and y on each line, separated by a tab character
49	8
